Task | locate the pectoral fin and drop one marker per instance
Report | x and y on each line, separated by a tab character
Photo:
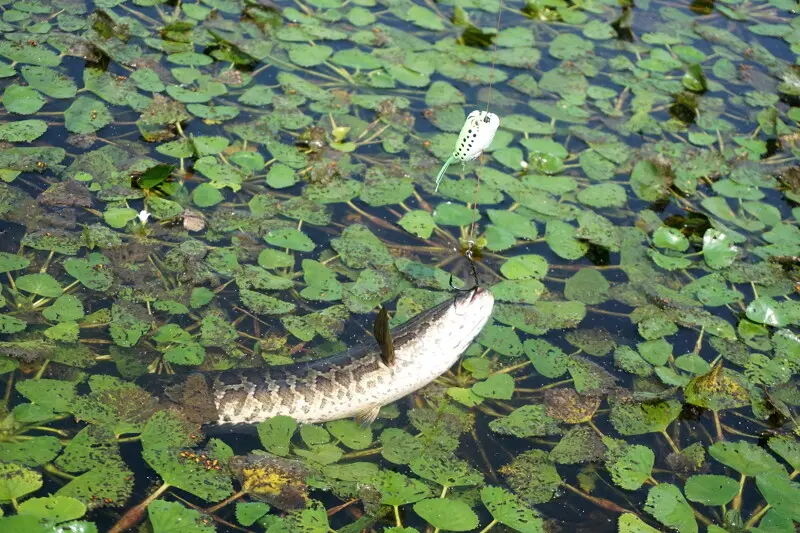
383	336
368	415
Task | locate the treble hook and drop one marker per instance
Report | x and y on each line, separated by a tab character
468	255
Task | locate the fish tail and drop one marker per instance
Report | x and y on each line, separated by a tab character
442	171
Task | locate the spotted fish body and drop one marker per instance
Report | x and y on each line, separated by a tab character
476	135
355	382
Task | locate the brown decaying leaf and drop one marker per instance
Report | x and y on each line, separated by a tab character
569	406
275	480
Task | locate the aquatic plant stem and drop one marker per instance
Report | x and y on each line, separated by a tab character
671	442
757	516
135	514
737	500
718	426
42	369
232	498
600	502
397	516
444	493
489	526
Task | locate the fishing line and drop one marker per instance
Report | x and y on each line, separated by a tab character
488	106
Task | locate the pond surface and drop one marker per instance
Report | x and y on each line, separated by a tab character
224	184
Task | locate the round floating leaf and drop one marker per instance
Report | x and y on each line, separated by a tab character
22	100
49	82
276	432
630	466
10	324
41	284
10	262
509	510
637	418
524	267
450	214
498	387
603	195
204	195
350	433
419	223
518	291
630	523
719	389
711	489
22	130
665	237
580	445
290	238
29	53
34	452
745	457
118	217
666	503
765	310
17	481
560	236
248	512
50	393
397	489
450	515
91	272
527	421
87	115
533	477
588	286
53	508
780	493
718	249
172	517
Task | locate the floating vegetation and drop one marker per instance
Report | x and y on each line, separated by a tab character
232	184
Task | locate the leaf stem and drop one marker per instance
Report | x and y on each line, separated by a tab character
490	526
671	442
232	498
397	516
737	500
136	513
718	426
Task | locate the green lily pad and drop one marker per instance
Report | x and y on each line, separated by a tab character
666	503
275	434
745	457
22	100
711	489
53	508
17	481
41	284
451	515
630	466
87	115
290	238
22	130
172	517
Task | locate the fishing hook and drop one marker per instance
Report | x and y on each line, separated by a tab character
468	255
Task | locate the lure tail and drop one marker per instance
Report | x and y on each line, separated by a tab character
442	171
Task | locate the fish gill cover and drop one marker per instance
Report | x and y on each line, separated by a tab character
224	183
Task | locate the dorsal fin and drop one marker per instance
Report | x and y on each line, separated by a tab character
383	336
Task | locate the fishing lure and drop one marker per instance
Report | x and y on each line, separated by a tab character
475	137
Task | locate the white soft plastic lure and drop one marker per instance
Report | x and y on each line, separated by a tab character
475	137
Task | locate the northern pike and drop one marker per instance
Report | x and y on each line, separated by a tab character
353	383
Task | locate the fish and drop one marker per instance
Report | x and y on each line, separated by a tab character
476	135
354	383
